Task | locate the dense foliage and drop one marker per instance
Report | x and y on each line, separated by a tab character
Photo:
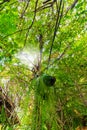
43	58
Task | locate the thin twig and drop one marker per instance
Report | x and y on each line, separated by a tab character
18	31
58	58
45	5
71	6
61	55
32	22
25	9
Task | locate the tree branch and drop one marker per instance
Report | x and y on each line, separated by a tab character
59	16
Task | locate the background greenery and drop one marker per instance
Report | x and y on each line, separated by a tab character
36	39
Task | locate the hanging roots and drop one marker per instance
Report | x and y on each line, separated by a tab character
8	106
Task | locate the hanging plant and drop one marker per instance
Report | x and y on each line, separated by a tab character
44	102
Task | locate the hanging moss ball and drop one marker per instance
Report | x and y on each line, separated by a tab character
49	80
